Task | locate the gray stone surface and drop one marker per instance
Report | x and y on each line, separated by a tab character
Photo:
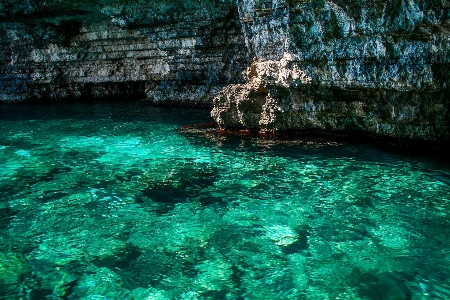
380	67
171	55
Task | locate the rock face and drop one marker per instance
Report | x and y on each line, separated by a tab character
258	104
171	53
380	67
355	65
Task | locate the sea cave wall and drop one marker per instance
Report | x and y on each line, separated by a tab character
380	67
376	67
166	52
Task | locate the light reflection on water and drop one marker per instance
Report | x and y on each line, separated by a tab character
112	201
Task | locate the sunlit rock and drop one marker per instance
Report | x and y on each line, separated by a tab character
258	102
378	67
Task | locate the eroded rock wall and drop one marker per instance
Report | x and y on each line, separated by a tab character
151	52
375	66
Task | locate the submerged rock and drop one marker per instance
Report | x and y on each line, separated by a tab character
14	269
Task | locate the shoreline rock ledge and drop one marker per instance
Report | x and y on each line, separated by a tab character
376	67
277	96
380	67
264	99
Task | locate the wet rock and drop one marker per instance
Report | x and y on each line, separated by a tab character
370	67
256	104
379	67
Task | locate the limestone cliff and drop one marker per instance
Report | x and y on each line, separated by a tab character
380	67
168	52
354	65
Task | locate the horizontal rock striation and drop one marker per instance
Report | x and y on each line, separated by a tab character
177	58
380	67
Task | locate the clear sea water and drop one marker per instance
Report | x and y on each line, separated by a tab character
112	201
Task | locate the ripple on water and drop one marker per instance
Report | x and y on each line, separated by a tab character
117	203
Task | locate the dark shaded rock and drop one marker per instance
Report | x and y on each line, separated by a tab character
300	244
169	52
179	182
381	285
152	267
6	216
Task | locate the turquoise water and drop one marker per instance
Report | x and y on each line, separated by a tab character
112	201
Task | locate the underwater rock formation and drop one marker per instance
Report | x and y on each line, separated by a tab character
375	66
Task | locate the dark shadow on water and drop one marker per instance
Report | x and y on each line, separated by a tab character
7	214
30	176
69	289
429	156
96	110
299	245
174	183
52	196
150	268
20	183
164	199
381	286
226	239
236	279
215	294
19	143
50	176
440	175
120	259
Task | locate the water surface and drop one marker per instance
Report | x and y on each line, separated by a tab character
112	201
